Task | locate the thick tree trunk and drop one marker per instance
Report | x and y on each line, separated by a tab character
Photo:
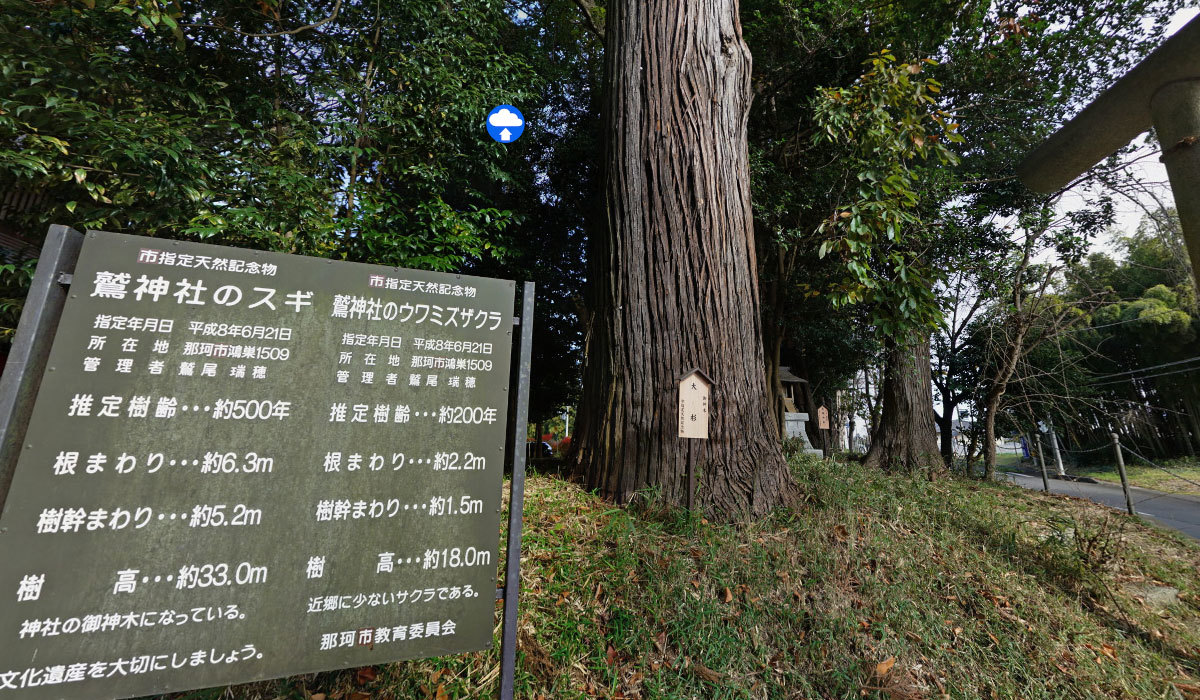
945	424
905	437
674	277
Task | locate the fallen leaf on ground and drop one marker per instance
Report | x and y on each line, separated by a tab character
707	673
882	668
727	595
365	675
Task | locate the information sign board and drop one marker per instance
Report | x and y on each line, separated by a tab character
244	465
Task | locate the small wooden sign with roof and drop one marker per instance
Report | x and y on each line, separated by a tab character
695	390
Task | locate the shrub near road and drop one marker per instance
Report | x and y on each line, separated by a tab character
878	586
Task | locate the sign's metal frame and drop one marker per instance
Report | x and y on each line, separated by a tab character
27	359
516	503
31	344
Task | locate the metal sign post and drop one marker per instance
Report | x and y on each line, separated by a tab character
31	344
516	501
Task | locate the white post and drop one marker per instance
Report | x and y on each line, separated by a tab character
1058	464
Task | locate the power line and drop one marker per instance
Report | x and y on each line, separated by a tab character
1080	329
1150	376
1146	369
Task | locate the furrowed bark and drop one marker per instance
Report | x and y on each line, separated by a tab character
905	439
674	277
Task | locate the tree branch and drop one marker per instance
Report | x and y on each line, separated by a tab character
337	6
589	14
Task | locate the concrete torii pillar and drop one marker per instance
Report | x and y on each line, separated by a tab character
1162	91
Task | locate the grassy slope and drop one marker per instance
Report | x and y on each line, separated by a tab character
965	590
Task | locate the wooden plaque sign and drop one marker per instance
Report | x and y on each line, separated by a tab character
823	418
694	392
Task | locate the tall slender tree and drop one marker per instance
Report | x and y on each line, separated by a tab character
675	285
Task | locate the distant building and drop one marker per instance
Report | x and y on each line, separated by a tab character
960	435
792	391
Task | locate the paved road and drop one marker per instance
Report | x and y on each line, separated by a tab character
1180	513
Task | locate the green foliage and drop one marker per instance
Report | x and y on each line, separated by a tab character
1009	74
360	137
120	127
15	278
1126	362
890	129
554	195
423	177
1148	312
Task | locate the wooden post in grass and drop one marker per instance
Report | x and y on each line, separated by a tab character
1121	468
1042	461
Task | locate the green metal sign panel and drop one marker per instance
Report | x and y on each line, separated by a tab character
245	465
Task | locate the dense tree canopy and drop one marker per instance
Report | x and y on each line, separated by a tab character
358	137
882	141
